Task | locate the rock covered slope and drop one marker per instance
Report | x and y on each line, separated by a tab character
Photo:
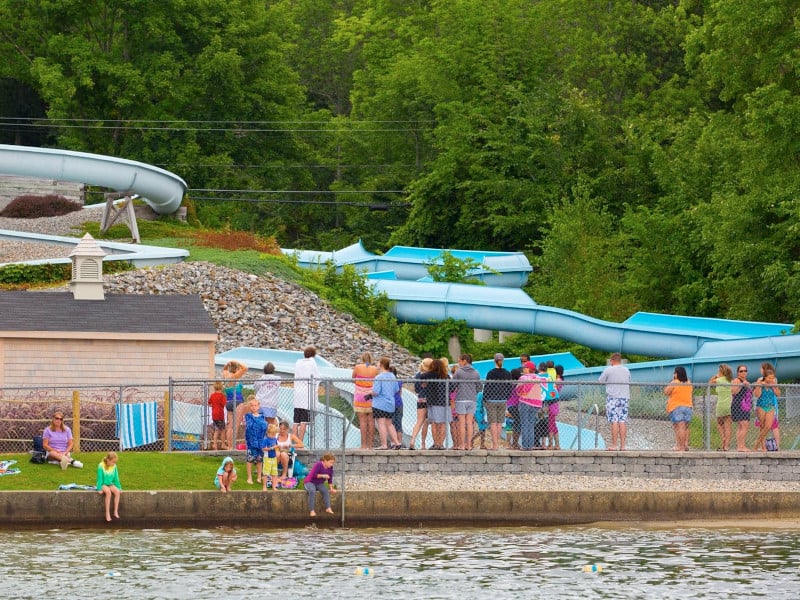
265	312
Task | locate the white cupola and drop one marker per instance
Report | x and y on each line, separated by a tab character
87	270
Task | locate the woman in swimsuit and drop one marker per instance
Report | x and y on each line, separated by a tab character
286	441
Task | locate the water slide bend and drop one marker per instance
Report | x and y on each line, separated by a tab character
696	343
161	190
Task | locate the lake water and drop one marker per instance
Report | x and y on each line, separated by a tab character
681	563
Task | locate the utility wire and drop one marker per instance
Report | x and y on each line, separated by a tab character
225	121
299	191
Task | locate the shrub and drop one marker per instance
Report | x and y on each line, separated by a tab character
33	207
229	239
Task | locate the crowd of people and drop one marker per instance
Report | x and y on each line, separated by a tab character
522	402
735	397
515	409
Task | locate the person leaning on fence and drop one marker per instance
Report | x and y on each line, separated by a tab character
741	407
618	395
529	390
234	395
440	415
57	442
267	388
512	408
397	417
723	379
363	375
679	407
766	391
467	382
305	395
217	402
496	391
421	424
383	390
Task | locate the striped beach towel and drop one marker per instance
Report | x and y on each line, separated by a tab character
137	424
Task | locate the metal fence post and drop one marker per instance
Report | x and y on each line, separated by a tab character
707	418
327	413
312	419
168	416
580	416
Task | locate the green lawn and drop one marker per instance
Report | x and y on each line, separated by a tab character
137	471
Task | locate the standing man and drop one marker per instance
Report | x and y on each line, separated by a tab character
496	391
618	394
467	381
306	390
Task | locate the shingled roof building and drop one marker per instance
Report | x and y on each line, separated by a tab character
87	337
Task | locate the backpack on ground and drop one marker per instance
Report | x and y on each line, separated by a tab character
38	454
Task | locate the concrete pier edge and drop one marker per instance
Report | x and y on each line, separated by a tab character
281	509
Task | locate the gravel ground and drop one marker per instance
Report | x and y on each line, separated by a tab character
525	482
69	224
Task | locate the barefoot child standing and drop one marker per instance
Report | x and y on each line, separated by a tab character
255	428
270	448
108	483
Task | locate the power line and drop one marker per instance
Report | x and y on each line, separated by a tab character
299	191
211	129
278	166
371	206
224	121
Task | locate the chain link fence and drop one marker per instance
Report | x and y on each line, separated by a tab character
177	417
95	414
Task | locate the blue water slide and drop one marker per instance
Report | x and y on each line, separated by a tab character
512	310
161	190
500	269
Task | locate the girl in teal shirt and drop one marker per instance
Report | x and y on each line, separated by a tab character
108	483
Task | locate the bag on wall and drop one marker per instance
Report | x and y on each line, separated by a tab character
771	444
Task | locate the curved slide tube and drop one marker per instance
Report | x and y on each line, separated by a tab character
512	310
501	269
161	190
138	255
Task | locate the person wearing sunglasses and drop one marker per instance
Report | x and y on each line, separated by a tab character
57	441
741	407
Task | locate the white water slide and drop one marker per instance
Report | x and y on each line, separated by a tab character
161	190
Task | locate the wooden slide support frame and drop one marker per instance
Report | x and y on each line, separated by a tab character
118	203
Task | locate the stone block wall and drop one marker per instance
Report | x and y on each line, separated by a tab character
770	466
13	186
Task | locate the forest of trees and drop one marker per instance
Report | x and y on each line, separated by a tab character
645	154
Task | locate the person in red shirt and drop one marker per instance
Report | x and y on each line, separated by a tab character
217	402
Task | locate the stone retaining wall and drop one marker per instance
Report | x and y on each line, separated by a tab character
12	186
408	508
770	466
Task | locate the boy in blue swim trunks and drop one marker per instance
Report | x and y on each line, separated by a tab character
255	427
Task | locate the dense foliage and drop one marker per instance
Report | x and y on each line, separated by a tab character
643	153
